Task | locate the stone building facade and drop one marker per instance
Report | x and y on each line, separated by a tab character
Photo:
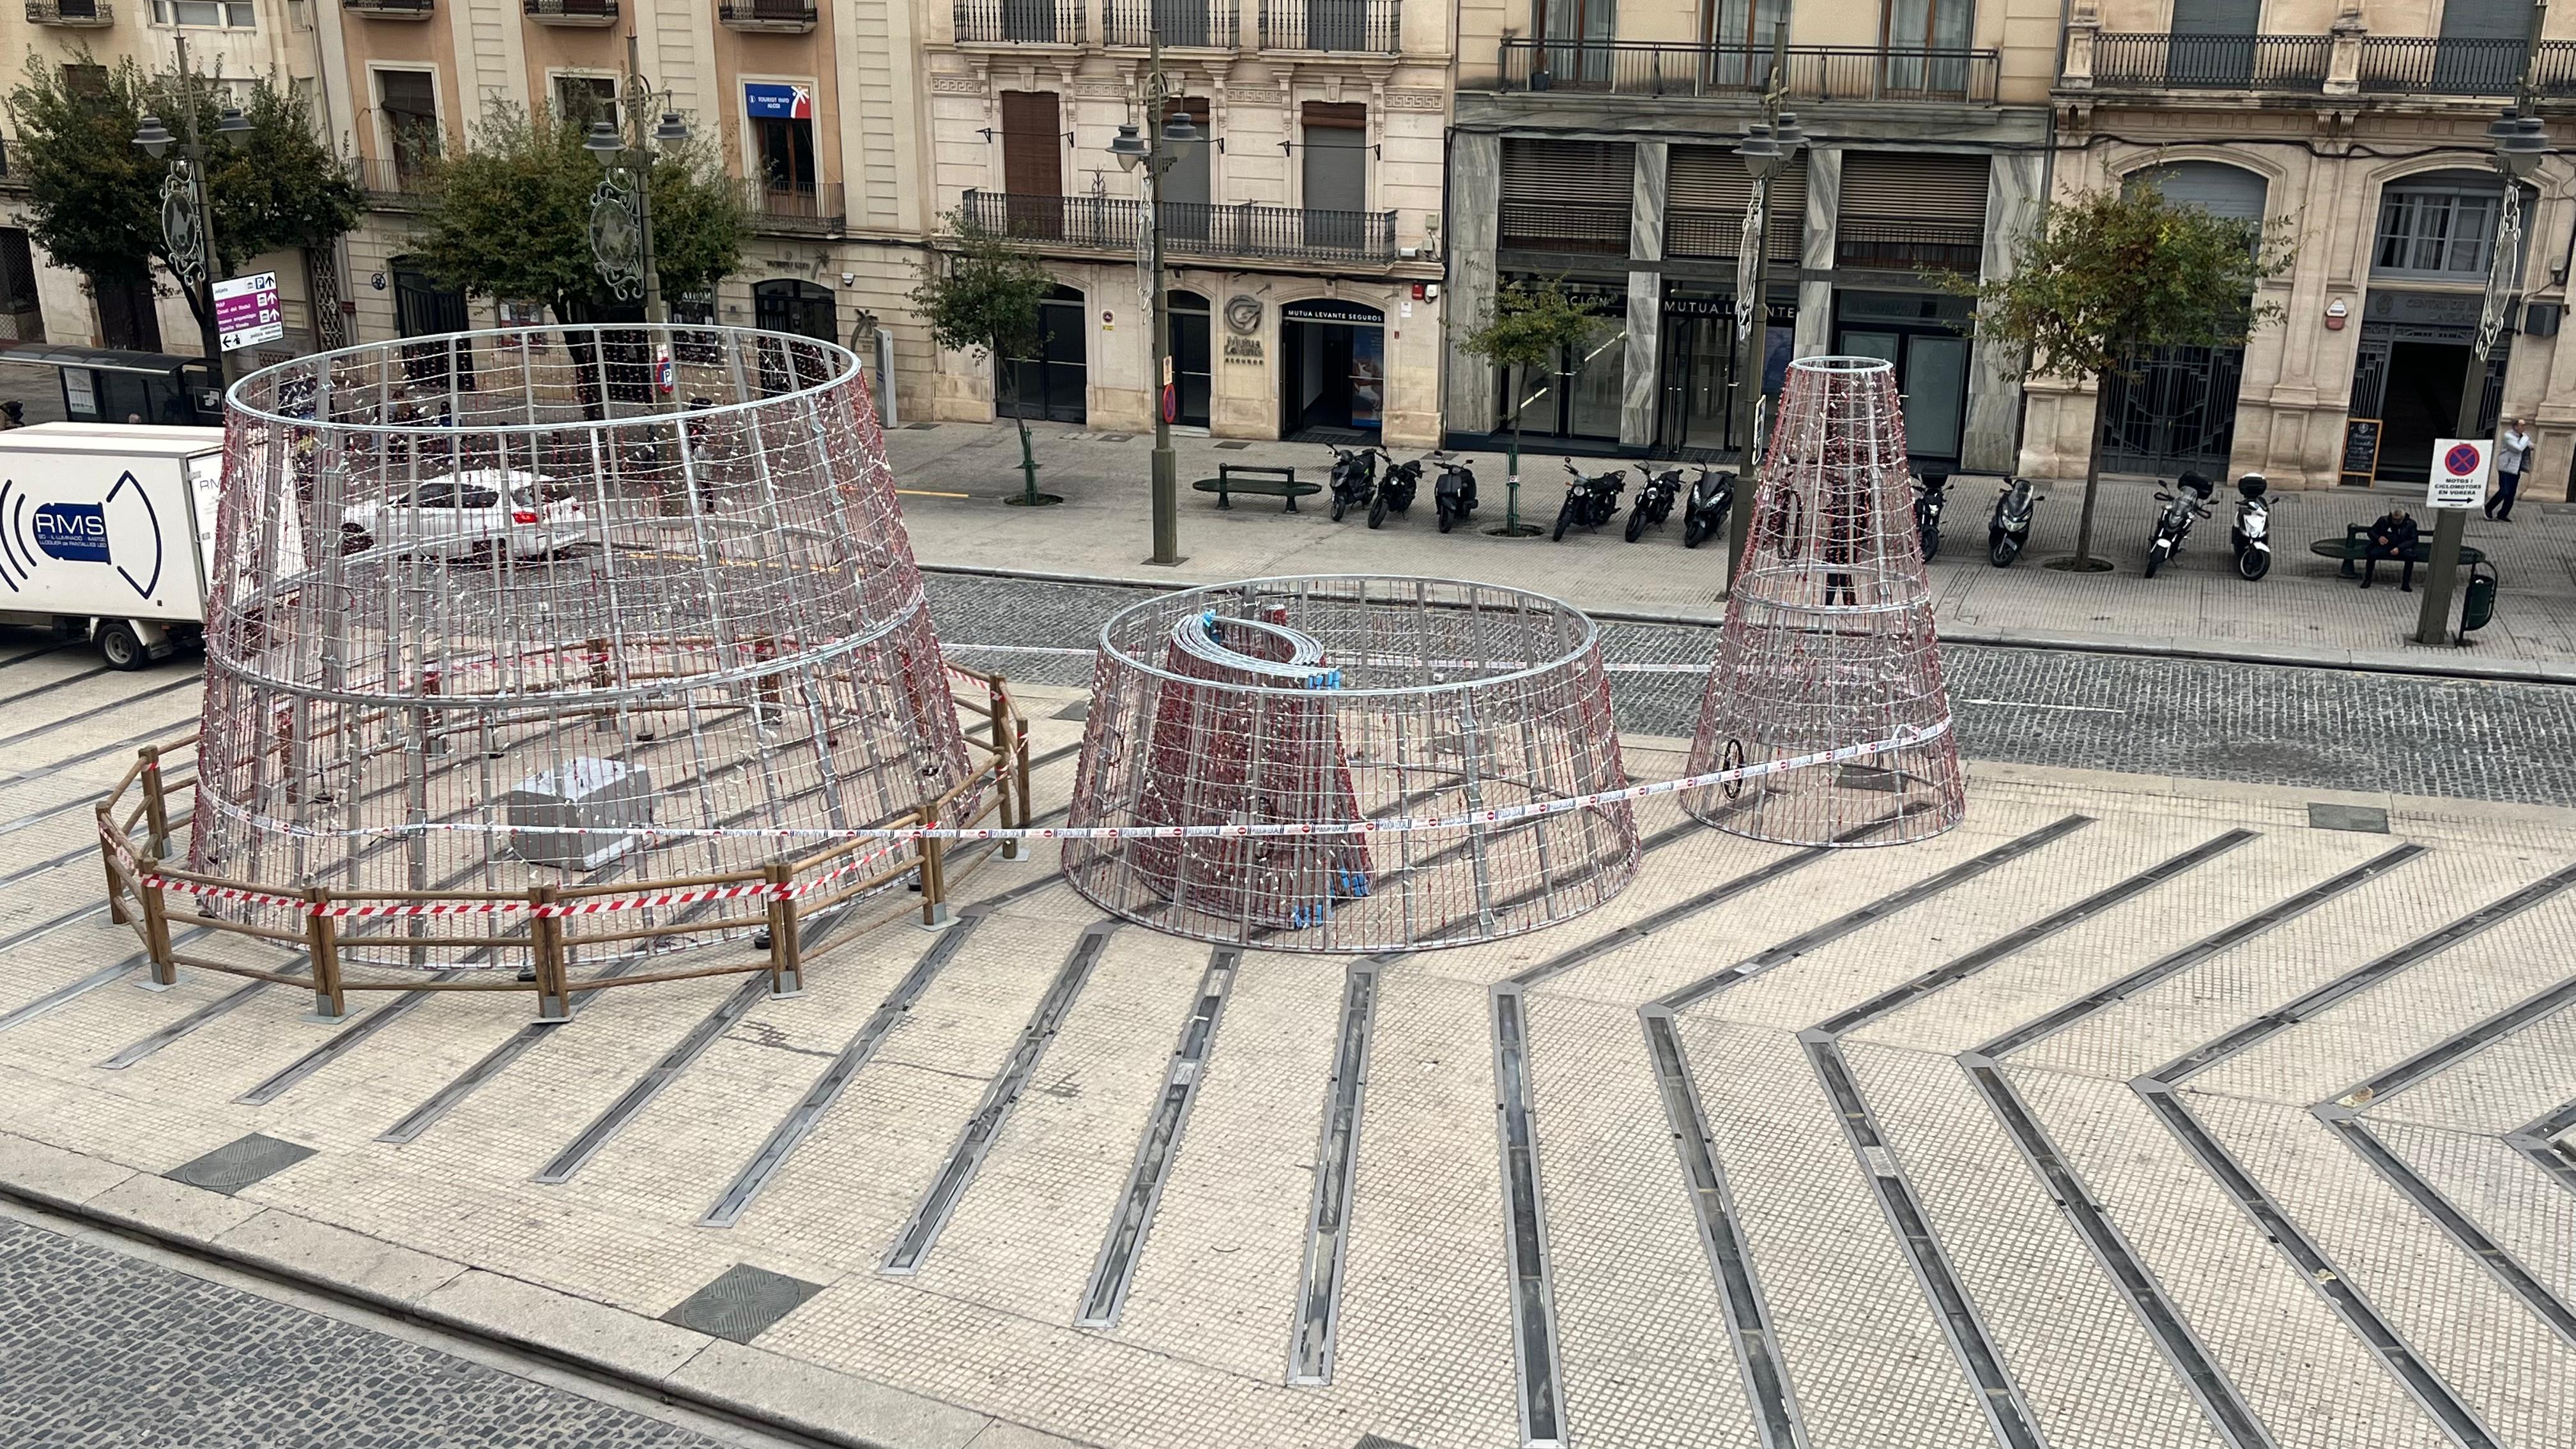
2359	127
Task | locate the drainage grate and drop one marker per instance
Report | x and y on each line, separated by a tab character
2534	1141
940	1200
239	1163
827	1088
742	1302
1319	1294
1125	1244
1079	709
919	427
1525	1220
1367	1441
1236	447
2369	819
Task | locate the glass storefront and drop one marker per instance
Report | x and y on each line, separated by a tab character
1926	335
1698	348
1579	398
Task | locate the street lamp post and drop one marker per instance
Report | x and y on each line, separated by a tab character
2521	140
1769	145
1146	150
187	213
621	210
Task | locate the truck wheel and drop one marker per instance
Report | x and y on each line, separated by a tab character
123	650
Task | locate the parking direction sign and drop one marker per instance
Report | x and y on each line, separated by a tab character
246	311
2459	473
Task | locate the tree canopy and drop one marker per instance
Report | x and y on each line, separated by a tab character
1526	326
94	197
510	216
982	297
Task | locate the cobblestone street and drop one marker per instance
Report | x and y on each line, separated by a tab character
2212	1086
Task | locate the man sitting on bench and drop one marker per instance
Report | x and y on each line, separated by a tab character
2392	537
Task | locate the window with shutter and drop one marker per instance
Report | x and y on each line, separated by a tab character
1908	211
1706	191
1567	196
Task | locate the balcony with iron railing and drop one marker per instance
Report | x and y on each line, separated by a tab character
806	209
1374	27
570	12
1814	73
391	9
2295	63
1244	231
1019	22
785	17
77	14
2438	66
395	185
1909	246
1186	24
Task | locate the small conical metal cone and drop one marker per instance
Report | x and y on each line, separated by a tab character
1828	642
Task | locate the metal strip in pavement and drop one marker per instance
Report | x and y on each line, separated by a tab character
2361	978
136	1051
37	653
2007	1408
21	1015
799	1121
1897	997
41	929
2219	1399
1877	910
1124	1246
92	672
939	1201
2176	962
2455	1417
2536	1141
1337	1150
1542	1387
640	1093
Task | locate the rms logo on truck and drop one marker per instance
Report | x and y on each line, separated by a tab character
31	532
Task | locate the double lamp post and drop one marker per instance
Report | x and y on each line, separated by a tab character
1148	153
187	216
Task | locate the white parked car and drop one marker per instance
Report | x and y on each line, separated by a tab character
476	514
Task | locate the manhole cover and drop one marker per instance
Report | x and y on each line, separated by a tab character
236	1165
2368	818
742	1302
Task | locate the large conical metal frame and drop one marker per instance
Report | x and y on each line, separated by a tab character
1828	642
672	600
1328	700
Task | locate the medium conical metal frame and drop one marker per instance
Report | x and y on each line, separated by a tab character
1828	641
471	585
1336	699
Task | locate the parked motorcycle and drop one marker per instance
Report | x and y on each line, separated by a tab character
1590	500
1395	490
2009	528
2187	504
1930	492
1453	493
1655	495
1354	478
2252	535
1712	493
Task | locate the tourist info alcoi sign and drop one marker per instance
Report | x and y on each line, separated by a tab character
246	311
2459	473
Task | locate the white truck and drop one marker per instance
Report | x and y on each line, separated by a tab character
110	529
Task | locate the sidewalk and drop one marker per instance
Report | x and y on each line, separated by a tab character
2198	606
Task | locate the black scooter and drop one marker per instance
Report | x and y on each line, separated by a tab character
1930	492
2009	529
1590	501
1453	493
1655	495
1395	490
1712	494
1354	478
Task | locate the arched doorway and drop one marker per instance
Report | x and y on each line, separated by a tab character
1191	334
794	306
1051	385
1333	370
2176	407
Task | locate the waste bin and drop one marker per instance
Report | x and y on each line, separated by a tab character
2477	603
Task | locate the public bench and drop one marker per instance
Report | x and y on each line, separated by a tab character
1255	478
2354	546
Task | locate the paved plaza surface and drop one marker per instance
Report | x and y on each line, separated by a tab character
2196	604
2143	1109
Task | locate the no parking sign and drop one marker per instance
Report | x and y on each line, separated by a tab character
2459	473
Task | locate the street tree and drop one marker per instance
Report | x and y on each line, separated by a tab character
1525	327
94	197
981	297
509	216
2112	278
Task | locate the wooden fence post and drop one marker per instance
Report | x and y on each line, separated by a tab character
156	923
934	878
545	942
1004	769
156	805
786	953
107	860
322	942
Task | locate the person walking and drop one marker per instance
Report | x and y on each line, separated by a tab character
2513	451
2392	536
